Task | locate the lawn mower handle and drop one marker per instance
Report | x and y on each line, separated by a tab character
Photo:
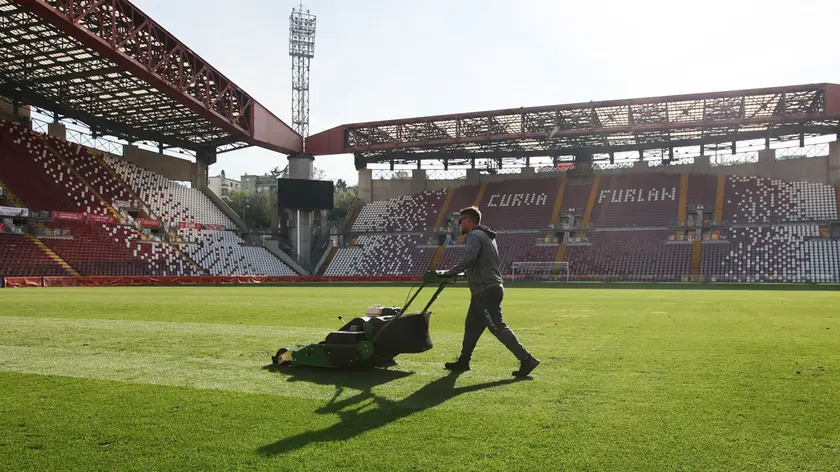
430	277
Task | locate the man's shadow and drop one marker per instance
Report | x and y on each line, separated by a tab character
354	423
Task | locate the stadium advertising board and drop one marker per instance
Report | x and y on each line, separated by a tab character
189	225
302	194
68	216
129	204
14	212
148	223
200	226
106	219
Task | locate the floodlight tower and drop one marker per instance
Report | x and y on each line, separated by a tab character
302	50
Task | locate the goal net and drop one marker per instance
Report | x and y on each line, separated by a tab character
540	271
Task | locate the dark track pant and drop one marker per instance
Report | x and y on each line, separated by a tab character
486	312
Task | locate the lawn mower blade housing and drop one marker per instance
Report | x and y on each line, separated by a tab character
371	341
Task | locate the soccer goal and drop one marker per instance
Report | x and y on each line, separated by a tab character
540	271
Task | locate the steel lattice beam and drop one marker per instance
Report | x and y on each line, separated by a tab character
144	48
594	127
109	64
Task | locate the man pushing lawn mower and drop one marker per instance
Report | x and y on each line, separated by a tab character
481	264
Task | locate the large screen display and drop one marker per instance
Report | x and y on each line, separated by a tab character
302	194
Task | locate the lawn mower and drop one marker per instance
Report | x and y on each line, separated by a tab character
372	340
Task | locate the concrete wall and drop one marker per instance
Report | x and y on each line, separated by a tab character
172	168
385	189
7	111
823	169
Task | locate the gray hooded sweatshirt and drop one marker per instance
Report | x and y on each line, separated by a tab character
481	261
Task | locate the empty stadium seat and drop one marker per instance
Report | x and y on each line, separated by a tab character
401	214
702	190
513	247
21	257
45	180
637	200
576	196
170	200
519	204
89	167
772	254
631	255
218	252
759	200
222	253
38	177
382	254
50	174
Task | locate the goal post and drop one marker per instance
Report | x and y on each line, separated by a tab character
527	270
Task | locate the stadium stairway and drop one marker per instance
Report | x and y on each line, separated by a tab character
558	200
476	202
224	208
696	257
480	194
837	192
330	256
721	187
444	208
559	256
558	205
682	209
440	219
273	246
186	257
58	260
356	211
593	195
10	196
438	255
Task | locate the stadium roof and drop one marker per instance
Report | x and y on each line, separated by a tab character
106	63
593	127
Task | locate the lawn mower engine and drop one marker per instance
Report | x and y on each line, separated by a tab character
372	340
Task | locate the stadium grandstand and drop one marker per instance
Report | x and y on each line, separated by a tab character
71	207
738	186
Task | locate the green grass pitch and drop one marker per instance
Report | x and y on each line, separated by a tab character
654	380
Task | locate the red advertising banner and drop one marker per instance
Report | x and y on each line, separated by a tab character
67	216
107	219
21	282
190	225
149	223
214	227
60	281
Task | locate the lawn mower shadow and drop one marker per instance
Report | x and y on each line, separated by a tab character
354	423
362	380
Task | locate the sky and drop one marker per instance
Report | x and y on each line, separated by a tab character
384	59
